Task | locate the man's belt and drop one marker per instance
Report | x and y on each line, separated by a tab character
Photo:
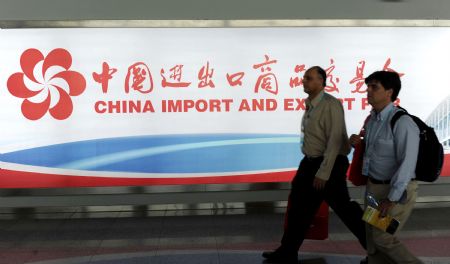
375	181
312	158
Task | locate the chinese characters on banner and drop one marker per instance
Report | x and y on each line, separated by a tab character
139	77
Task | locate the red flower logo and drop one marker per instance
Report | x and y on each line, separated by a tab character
46	84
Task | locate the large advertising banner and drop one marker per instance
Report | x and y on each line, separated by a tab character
124	106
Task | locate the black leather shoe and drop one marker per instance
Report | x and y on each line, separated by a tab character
280	256
364	261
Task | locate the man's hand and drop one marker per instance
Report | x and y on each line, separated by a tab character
319	184
355	140
385	206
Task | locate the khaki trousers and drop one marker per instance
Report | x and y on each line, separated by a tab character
382	247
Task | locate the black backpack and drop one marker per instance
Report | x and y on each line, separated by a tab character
431	153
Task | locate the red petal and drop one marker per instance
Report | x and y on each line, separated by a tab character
63	109
60	57
35	111
75	80
28	61
17	87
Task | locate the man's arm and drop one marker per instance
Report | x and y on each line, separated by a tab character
406	140
336	128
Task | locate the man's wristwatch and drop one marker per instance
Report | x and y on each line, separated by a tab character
389	200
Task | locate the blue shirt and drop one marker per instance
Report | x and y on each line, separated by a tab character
391	154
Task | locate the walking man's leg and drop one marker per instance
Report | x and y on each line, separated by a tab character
338	198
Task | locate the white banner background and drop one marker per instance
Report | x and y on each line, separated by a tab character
422	54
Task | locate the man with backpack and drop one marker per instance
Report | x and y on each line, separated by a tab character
389	162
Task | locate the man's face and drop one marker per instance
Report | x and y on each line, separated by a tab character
312	82
377	94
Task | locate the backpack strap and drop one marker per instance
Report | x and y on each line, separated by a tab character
397	116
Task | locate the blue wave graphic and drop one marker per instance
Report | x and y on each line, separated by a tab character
169	154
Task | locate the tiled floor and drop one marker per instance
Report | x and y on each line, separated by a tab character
205	236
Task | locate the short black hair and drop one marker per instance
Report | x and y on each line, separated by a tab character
321	72
389	80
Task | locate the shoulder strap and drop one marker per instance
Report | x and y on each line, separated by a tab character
362	132
397	115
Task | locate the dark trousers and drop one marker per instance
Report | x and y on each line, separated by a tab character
304	202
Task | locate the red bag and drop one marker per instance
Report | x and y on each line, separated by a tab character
319	226
355	171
